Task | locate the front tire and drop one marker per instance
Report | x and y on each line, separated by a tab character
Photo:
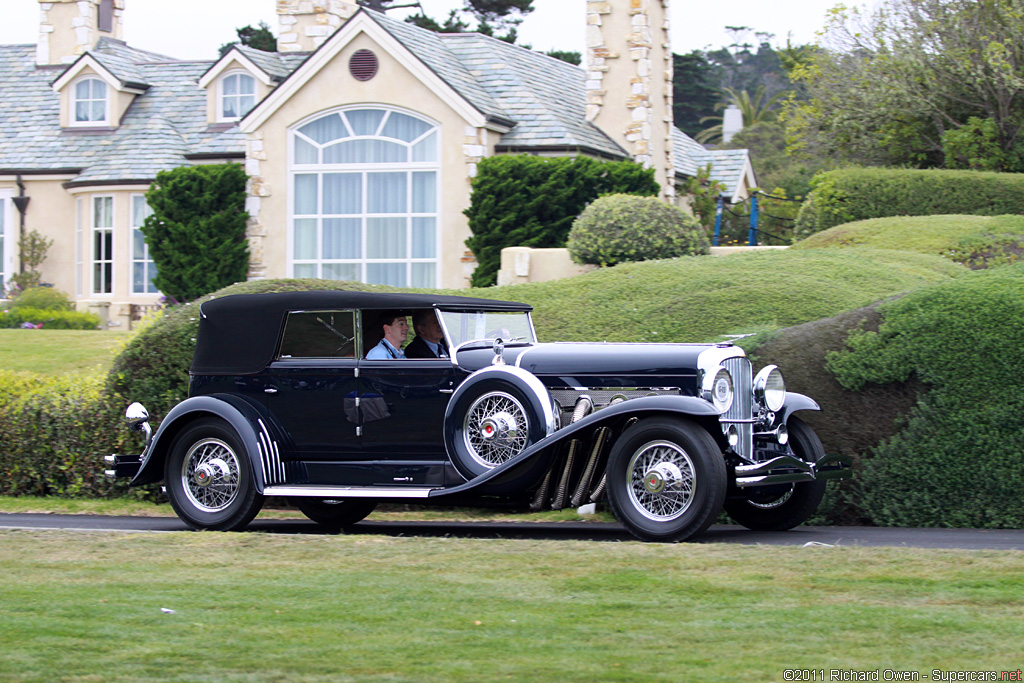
334	514
778	508
666	480
208	478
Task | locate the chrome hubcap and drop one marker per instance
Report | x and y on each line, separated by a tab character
496	429
210	475
661	480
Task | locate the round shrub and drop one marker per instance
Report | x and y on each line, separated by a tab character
43	299
619	227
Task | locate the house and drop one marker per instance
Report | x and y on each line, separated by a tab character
360	137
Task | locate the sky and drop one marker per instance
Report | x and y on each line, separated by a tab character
169	26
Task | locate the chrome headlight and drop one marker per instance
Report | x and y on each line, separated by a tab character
717	387
770	388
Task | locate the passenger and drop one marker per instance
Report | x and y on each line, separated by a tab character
396	331
429	341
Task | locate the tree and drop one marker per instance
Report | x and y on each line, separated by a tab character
196	234
260	38
694	91
490	15
754	109
887	86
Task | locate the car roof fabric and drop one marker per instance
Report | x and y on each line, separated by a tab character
238	334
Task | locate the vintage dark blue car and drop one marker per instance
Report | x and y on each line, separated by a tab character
284	402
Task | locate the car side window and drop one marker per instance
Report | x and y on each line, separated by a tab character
318	334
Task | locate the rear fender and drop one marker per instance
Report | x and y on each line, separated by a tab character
248	421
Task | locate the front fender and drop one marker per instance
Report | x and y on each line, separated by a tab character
248	421
683	406
795	402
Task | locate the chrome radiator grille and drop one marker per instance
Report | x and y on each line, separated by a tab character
741	413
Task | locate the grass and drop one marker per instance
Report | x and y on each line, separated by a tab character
275	510
253	608
967	239
58	351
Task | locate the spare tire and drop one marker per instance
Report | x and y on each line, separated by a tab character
496	414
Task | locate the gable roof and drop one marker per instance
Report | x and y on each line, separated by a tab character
536	102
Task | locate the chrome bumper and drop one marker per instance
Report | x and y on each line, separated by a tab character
123	465
786	469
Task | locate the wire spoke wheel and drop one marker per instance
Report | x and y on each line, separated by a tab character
210	475
661	480
496	429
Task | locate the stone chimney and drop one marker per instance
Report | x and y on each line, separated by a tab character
69	28
732	122
629	81
304	25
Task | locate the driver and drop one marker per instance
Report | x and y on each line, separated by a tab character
429	341
396	331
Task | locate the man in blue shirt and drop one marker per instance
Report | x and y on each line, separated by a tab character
396	331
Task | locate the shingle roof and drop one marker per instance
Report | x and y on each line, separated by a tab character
541	99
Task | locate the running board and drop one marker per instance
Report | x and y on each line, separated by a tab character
347	492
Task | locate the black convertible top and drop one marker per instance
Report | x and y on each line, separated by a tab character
238	334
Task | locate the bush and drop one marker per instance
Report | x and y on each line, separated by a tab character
528	201
196	234
956	460
43	299
55	432
621	227
856	194
52	320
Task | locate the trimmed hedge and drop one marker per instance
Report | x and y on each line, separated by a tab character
618	228
529	201
54	432
51	319
956	461
854	194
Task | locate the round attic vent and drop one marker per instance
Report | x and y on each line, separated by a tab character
363	65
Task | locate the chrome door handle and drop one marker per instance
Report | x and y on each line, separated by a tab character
270	390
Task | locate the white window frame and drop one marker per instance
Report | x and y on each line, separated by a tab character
8	239
409	167
221	97
149	267
73	98
94	232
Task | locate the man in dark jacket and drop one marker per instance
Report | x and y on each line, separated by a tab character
429	341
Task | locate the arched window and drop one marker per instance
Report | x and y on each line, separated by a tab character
237	95
89	105
364	198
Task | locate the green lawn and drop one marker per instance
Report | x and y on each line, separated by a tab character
58	351
256	607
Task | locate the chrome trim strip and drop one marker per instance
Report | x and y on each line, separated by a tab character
348	491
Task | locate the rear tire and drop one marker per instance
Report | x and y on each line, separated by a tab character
333	513
777	508
666	480
208	478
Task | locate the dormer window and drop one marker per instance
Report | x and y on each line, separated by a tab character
89	105
237	95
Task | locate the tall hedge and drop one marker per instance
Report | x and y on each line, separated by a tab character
529	201
196	234
854	194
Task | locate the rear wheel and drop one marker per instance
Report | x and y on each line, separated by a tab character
208	478
334	513
777	508
666	479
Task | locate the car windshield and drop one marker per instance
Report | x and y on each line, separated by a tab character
463	326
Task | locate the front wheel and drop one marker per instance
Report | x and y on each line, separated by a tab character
666	480
333	513
208	478
777	508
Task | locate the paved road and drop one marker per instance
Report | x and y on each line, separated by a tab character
967	539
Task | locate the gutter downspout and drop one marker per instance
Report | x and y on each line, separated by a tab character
21	202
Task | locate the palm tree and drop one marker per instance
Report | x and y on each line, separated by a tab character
753	109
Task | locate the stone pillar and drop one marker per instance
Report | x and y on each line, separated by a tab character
304	25
629	81
69	28
256	190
